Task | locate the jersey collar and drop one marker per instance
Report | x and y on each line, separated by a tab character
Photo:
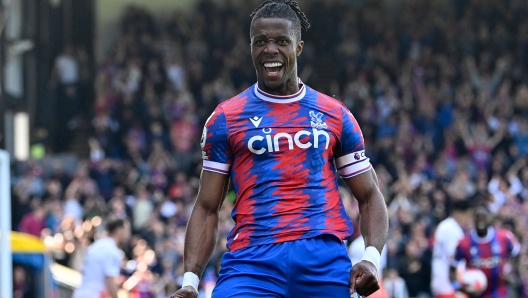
281	99
486	239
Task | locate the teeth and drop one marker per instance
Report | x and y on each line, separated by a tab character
274	64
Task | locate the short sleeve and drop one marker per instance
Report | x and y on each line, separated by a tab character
113	266
514	247
215	146
459	253
350	158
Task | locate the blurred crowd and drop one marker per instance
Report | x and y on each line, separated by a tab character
439	88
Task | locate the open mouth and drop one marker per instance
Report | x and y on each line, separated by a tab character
273	68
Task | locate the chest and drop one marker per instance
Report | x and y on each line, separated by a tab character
287	129
487	256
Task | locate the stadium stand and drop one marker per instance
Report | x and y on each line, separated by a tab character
439	87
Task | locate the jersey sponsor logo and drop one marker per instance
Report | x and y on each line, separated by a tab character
270	142
256	121
486	263
317	120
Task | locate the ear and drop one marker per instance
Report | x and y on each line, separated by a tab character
300	46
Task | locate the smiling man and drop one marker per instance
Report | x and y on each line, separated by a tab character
284	145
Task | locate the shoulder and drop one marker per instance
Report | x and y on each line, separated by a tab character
106	244
448	226
504	234
444	224
326	100
116	253
465	242
445	233
235	102
442	227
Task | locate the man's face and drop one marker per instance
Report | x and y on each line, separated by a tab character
123	234
481	219
274	49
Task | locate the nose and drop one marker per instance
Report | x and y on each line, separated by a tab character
271	48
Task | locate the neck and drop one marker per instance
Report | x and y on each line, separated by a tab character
458	218
115	238
291	86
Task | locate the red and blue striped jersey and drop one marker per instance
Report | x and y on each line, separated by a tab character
489	254
283	153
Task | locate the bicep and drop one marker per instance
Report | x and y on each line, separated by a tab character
364	185
217	159
212	190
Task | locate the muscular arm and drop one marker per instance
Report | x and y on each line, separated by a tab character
374	222
203	223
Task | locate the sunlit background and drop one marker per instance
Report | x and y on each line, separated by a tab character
103	102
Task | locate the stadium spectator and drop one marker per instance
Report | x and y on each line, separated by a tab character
395	285
64	83
442	100
22	286
34	222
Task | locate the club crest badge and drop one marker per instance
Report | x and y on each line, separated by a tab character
317	120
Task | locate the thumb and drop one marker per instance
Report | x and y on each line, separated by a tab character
354	275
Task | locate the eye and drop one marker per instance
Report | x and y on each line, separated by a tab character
258	42
283	42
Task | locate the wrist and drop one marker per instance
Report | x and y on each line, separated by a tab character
373	256
190	279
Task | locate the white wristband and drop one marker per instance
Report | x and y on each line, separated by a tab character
372	255
191	279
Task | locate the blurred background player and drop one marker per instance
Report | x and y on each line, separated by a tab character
490	250
278	140
417	85
102	263
446	238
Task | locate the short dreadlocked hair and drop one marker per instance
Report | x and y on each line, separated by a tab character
283	9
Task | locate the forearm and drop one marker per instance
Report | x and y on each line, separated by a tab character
200	239
111	287
374	222
453	273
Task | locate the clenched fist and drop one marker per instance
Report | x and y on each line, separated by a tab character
185	292
364	278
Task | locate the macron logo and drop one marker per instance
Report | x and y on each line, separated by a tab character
256	121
